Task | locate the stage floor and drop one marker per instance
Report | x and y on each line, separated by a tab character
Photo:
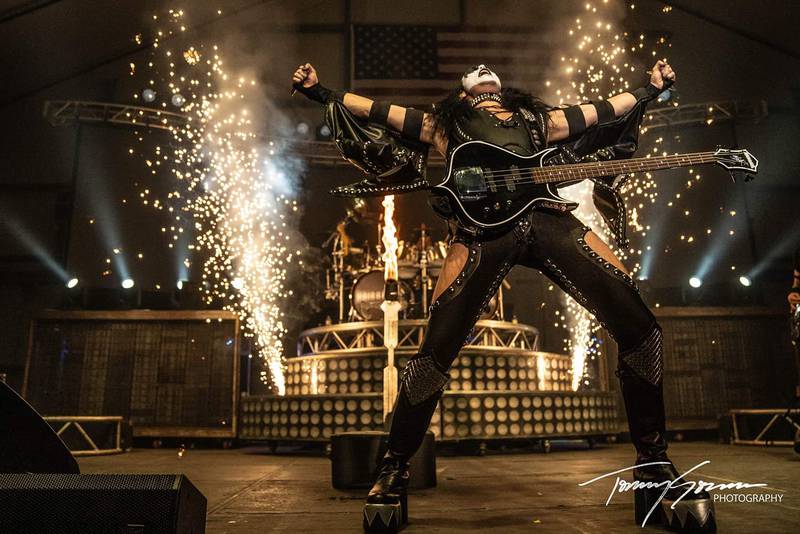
252	492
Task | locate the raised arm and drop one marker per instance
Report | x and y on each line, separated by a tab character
573	120
411	123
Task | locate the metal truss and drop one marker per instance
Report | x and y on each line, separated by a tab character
91	447
63	112
700	114
778	415
355	337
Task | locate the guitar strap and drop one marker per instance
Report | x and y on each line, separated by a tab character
538	138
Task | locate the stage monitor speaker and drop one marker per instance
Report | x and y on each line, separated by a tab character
27	443
101	504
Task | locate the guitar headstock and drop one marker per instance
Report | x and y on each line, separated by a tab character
737	162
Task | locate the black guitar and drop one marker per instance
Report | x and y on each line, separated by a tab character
489	186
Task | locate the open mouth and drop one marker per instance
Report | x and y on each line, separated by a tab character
484	71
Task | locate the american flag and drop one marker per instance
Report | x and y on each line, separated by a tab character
418	65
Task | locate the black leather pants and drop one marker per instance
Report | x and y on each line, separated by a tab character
553	243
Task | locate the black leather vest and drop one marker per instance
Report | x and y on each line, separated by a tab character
520	133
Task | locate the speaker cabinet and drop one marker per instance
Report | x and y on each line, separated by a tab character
101	504
170	373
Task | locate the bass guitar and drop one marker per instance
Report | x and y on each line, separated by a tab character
490	186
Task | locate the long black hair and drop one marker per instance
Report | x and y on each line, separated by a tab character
452	107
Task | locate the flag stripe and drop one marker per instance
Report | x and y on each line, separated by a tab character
420	64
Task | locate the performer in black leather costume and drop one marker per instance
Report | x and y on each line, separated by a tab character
554	242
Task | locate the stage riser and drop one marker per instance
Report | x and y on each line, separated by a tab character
474	369
460	416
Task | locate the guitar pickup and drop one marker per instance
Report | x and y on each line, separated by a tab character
511	180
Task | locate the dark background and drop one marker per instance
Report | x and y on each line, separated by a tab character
80	49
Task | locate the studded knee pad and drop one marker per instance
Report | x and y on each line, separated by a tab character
647	358
421	378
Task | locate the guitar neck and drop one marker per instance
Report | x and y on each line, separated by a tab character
582	171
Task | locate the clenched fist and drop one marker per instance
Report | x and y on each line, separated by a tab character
661	71
306	75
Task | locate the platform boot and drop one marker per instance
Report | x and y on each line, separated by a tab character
422	384
640	373
386	509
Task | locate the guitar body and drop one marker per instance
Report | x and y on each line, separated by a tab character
490	187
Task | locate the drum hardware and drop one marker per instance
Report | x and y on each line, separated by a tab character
356	269
423	263
367	295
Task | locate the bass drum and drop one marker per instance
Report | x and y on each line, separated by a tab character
366	296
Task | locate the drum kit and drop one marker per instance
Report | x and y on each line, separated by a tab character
356	276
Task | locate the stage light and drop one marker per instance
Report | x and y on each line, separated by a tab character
695	282
323	132
148	95
127	283
72	283
34	245
745	281
237	283
178	100
179	285
303	128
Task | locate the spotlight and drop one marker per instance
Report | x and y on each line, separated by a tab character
72	283
323	132
127	283
695	282
179	284
148	95
178	100
237	283
745	281
303	128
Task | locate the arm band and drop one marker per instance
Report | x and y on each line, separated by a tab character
412	124
319	93
379	112
647	93
575	120
605	111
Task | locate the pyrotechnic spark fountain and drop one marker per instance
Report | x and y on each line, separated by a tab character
597	66
228	188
